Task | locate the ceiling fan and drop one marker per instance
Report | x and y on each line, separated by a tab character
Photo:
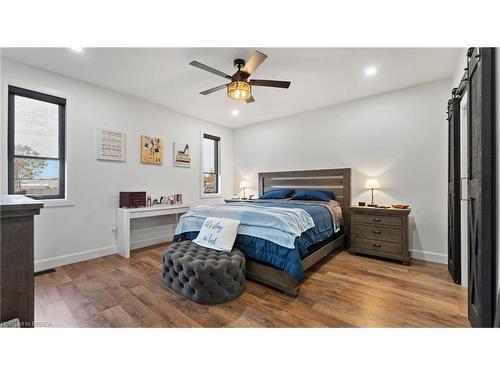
240	87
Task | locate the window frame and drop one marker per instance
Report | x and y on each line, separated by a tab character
217	167
14	91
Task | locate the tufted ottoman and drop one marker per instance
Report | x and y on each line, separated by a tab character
203	275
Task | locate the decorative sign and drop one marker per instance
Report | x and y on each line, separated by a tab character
111	145
151	150
182	158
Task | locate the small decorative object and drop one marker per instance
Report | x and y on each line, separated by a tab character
177	198
251	197
132	199
400	206
151	150
236	196
182	157
361	204
372	184
161	200
111	145
149	201
244	185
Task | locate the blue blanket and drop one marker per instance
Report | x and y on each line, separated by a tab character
281	257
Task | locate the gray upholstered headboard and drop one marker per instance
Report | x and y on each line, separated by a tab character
338	181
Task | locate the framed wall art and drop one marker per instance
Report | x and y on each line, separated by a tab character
182	156
111	145
151	150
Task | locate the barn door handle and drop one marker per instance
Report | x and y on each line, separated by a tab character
376	220
376	245
377	232
464	189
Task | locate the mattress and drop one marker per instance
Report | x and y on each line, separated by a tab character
281	257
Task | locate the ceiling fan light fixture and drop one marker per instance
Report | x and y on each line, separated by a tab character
239	90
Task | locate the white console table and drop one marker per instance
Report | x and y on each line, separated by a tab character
125	215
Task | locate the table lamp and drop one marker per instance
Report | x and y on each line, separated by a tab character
244	185
372	183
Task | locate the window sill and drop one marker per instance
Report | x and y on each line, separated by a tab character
56	202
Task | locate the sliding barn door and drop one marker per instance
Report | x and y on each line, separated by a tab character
497	316
481	204
454	235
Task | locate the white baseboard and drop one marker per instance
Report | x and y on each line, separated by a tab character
81	256
429	256
137	244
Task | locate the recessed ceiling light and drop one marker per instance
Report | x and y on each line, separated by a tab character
235	112
370	71
76	49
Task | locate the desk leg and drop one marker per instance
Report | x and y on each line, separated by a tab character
123	233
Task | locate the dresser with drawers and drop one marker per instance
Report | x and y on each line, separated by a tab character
380	232
17	298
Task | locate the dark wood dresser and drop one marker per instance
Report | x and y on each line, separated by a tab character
16	258
381	232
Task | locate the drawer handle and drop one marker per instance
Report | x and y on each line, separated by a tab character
376	220
376	245
377	232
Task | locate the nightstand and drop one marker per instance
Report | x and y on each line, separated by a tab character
381	232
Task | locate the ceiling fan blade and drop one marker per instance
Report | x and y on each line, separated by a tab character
250	100
253	62
209	69
270	83
213	89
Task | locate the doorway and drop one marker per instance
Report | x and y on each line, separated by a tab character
463	191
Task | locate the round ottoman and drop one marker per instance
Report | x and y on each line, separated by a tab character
203	275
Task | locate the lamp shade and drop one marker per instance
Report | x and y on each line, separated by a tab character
239	90
244	184
372	183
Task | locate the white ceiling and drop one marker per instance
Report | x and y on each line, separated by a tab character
320	76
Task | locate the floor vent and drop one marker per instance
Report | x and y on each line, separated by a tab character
44	272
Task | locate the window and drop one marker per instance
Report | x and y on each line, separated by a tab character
211	164
36	149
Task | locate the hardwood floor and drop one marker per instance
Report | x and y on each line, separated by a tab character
341	291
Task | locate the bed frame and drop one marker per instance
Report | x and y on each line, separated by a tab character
338	181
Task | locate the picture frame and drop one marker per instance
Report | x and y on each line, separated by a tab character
151	150
111	145
182	156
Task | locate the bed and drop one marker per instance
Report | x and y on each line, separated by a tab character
270	261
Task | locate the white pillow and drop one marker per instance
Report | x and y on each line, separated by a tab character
218	234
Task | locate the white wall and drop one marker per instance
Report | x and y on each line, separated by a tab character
83	229
398	137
